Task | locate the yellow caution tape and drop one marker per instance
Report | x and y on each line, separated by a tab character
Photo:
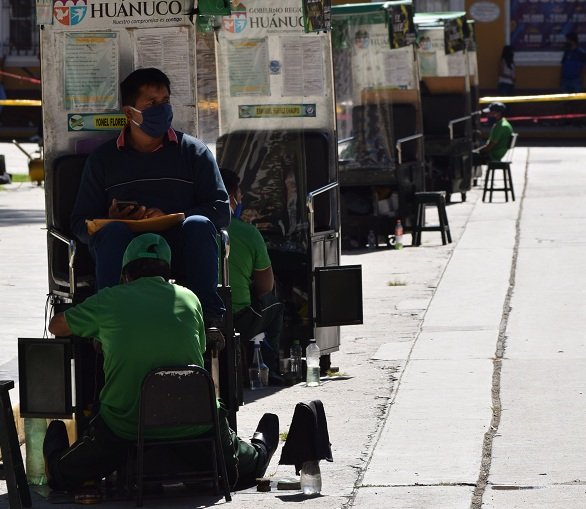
20	102
533	98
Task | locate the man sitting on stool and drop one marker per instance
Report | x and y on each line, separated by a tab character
142	324
499	138
255	308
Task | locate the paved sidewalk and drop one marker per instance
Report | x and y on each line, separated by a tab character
410	423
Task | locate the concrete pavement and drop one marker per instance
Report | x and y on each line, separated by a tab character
465	385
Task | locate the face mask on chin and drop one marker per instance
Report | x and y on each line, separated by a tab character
156	120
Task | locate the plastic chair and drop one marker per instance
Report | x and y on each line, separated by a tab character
178	396
504	165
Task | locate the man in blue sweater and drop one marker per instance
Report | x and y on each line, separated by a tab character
162	171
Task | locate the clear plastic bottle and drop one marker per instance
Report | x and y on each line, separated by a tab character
398	235
258	373
312	354
310	478
295	354
34	431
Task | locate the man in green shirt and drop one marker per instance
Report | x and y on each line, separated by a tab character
142	324
255	307
499	138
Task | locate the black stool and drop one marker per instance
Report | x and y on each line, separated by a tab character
12	468
439	200
507	180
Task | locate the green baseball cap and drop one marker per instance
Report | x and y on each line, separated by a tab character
147	245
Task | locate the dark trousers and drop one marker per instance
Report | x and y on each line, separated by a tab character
263	315
480	159
100	452
194	258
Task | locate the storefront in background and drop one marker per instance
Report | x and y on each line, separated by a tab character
535	29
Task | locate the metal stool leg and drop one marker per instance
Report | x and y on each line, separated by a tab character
486	177
443	220
419	220
510	175
446	224
12	465
442	226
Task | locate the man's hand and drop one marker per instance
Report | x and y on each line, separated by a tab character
128	212
58	326
153	213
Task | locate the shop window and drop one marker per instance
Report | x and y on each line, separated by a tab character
23	30
439	5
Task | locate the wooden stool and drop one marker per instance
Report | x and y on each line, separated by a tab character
439	200
12	468
507	180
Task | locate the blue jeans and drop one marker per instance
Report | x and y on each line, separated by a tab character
572	85
506	89
194	260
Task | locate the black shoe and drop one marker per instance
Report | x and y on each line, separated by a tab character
56	441
267	437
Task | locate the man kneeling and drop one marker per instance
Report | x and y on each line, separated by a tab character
140	325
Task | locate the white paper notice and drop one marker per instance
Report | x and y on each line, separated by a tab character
167	49
457	64
398	68
91	71
303	72
248	62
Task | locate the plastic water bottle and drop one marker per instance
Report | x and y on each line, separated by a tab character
34	431
398	235
310	478
312	359
371	240
295	353
258	373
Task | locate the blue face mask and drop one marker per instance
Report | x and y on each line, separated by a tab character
238	210
156	120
